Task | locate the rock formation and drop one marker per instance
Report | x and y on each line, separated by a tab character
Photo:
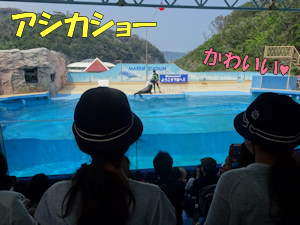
33	70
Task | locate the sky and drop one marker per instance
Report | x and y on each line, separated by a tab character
178	30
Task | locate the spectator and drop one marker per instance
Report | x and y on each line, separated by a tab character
12	209
206	174
296	155
243	159
21	187
225	166
138	176
176	174
149	176
267	191
183	174
195	173
99	193
173	188
37	187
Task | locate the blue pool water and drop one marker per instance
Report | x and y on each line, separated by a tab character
38	136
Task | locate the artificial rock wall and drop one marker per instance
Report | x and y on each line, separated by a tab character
49	67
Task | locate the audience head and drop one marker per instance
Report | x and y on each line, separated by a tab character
37	186
271	121
271	125
245	158
104	127
209	166
176	174
183	173
163	163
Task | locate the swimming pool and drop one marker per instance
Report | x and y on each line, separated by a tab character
38	136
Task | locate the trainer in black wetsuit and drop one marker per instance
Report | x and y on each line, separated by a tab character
154	81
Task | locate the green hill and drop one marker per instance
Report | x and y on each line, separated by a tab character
246	32
105	46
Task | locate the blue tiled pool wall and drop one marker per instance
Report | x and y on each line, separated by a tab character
51	154
56	152
27	157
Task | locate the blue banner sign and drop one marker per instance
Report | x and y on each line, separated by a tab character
173	78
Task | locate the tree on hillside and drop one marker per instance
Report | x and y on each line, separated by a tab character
246	32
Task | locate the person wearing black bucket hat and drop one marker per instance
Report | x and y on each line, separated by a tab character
272	120
99	193
267	191
103	121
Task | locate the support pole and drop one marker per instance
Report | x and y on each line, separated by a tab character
261	76
289	74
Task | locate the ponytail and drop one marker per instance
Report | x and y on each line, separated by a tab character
104	198
284	189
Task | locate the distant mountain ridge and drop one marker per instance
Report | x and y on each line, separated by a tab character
172	56
105	46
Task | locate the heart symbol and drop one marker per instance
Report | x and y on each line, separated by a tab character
201	3
284	69
261	5
229	4
171	3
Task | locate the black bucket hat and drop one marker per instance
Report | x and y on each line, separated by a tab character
103	121
271	120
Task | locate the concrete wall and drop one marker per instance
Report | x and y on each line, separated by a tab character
137	73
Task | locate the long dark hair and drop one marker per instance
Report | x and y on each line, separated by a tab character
284	189
104	197
5	180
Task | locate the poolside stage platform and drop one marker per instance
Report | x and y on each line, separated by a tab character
194	86
25	96
291	93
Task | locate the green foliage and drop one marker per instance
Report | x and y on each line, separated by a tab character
105	46
246	32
